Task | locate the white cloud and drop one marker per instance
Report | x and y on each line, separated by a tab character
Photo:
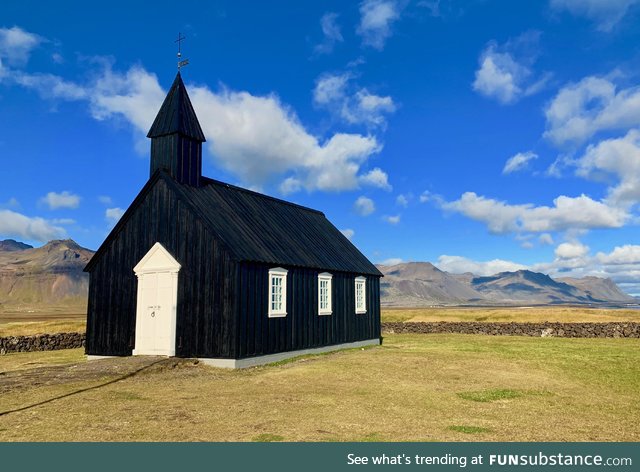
566	213
11	203
377	17
256	138
578	111
376	178
460	265
391	261
135	96
50	86
622	265
331	31
571	250
606	13
426	196
259	139
392	220
545	238
330	88
105	200
113	215
519	162
498	76
505	71
62	221
402	200
621	255
17	44
620	158
290	185
364	206
348	233
351	104
61	200
368	108
16	225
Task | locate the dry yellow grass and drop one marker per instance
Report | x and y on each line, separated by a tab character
523	315
30	328
413	388
25	324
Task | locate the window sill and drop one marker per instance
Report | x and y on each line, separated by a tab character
325	313
277	315
361	312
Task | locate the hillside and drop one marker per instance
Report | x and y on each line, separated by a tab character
51	274
419	284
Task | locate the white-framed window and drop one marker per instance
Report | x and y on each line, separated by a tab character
361	295
277	292
325	302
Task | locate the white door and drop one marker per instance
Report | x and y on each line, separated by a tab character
156	307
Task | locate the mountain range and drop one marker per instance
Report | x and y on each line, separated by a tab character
52	274
35	277
416	284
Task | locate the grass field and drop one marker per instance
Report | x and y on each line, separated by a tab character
523	314
413	388
24	324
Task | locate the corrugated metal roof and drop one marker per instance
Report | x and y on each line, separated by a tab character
260	228
177	115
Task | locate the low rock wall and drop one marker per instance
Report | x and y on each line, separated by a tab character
547	329
41	342
51	342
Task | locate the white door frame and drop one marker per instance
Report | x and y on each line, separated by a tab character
157	261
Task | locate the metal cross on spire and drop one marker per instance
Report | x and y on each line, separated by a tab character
185	62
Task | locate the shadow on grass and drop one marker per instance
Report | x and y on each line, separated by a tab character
82	390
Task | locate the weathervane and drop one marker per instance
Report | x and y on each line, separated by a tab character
181	63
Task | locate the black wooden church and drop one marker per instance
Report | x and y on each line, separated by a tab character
200	268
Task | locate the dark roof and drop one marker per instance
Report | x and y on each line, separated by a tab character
259	228
177	115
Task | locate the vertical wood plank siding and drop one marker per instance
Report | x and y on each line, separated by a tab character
302	328
179	157
206	307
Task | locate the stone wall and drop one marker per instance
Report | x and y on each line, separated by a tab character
547	329
51	342
41	342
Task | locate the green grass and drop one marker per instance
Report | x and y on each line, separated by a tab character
490	395
412	388
469	429
267	437
515	314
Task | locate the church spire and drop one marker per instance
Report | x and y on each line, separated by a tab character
176	137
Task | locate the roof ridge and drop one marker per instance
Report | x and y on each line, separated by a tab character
209	180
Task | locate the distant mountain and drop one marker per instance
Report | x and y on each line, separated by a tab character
13	245
525	286
421	283
598	288
48	274
417	284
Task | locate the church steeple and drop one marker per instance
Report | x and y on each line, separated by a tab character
176	137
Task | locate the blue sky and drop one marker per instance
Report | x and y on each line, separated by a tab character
480	135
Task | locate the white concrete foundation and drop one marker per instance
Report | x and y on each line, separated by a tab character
280	356
97	358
